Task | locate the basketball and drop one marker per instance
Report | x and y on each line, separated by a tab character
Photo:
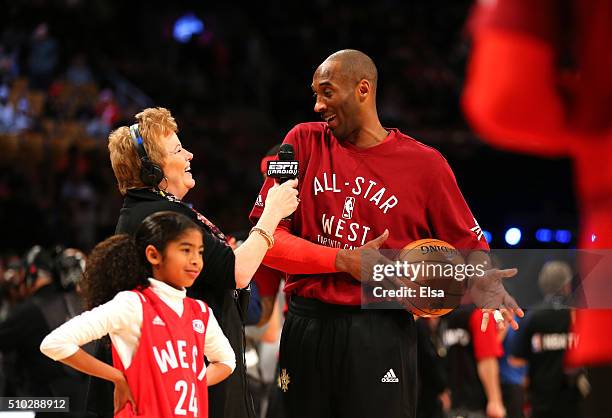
441	284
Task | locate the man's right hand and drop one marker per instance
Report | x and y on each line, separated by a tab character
352	261
360	263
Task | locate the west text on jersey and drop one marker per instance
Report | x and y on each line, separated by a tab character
339	228
167	358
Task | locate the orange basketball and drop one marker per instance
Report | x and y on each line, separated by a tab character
435	263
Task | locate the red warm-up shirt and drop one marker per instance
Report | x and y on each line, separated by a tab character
167	375
486	344
350	196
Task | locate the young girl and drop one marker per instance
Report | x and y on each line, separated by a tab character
159	336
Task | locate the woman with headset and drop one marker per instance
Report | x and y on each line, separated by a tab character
153	172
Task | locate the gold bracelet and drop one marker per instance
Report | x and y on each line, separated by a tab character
269	238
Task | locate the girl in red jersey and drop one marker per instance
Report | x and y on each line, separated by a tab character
159	336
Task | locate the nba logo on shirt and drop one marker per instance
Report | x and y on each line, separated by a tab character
198	326
349	205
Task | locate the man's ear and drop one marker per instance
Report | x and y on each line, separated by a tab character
364	89
153	256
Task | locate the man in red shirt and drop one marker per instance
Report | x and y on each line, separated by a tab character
472	364
358	181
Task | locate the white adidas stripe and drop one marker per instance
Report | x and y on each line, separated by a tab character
202	306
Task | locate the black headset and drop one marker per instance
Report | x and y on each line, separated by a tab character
151	174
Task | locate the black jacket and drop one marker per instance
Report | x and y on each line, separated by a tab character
216	285
23	331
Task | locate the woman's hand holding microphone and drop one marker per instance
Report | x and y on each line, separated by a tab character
282	200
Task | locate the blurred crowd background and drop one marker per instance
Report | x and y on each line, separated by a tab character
237	77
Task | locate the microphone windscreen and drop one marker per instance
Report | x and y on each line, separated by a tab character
286	153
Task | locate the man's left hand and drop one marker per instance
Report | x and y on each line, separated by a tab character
488	293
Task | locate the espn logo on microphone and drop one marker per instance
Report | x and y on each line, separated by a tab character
282	169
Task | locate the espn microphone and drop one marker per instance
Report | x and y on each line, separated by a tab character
286	168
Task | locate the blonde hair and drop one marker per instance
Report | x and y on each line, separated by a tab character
154	124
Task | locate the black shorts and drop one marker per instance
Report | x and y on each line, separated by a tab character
344	361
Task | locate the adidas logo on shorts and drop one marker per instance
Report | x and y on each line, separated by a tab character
158	321
390	377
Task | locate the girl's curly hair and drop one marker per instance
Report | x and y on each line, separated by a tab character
113	266
119	263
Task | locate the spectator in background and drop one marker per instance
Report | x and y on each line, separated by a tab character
28	323
473	370
7	110
107	114
43	58
541	344
22	121
13	120
69	266
512	377
78	73
80	199
11	290
434	400
11	293
8	64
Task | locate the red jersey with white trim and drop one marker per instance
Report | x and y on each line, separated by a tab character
167	375
350	196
